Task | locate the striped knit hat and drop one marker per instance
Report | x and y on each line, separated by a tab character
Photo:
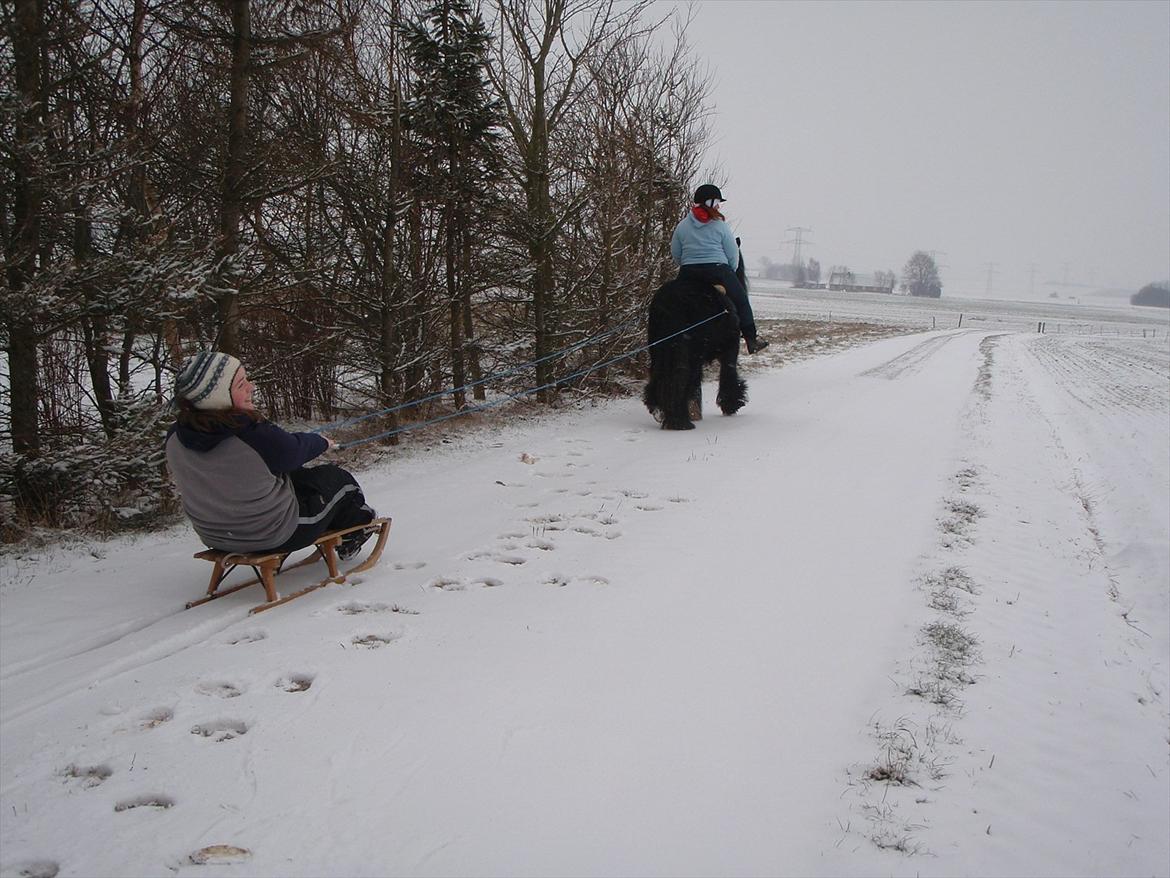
206	380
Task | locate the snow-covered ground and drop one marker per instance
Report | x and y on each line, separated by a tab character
908	612
1099	317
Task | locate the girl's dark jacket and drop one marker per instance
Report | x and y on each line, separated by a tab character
234	481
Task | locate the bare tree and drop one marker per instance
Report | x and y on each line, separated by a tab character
539	70
920	276
22	234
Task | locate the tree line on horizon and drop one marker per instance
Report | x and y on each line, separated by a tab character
919	276
1155	294
368	202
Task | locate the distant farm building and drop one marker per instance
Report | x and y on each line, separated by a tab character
844	279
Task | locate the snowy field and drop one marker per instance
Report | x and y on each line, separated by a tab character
908	613
1101	316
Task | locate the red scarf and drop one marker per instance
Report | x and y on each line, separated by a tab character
701	213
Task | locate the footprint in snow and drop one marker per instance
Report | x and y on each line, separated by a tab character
89	775
34	869
542	545
532	505
514	560
156	718
593	580
478	556
512	535
221	729
487	582
606	520
585	529
446	583
583	493
295	682
219	689
612	534
409	565
374	641
679	499
149	801
250	636
648	507
557	579
546	520
634	495
353	608
219	855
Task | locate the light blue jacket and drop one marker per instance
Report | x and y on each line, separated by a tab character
696	243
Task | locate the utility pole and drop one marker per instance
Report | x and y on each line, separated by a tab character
990	274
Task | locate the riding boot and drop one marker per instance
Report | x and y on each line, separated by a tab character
755	344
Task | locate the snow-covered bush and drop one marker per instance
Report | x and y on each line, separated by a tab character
113	485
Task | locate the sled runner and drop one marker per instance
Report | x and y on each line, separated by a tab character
267	565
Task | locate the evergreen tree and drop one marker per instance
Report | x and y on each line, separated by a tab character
454	125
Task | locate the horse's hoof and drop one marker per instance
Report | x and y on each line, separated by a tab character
677	425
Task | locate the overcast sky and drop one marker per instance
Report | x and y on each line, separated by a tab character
1009	133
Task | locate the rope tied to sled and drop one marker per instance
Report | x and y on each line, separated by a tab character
470	410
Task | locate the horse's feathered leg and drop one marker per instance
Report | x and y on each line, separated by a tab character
732	389
677	373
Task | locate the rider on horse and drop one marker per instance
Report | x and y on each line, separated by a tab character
705	250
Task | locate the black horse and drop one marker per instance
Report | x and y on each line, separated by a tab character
673	392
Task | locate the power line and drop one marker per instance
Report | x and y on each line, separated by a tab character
991	272
797	242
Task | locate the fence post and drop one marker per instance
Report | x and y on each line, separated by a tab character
960	321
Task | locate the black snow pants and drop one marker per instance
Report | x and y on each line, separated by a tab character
329	498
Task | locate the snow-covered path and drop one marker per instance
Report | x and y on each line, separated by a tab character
594	647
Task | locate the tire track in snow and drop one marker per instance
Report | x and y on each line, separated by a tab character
1029	584
911	361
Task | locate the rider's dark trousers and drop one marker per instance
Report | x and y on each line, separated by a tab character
721	273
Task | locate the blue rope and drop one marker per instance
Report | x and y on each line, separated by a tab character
511	396
493	377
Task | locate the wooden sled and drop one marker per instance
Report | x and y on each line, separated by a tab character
266	566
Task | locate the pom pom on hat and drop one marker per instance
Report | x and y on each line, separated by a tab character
205	380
